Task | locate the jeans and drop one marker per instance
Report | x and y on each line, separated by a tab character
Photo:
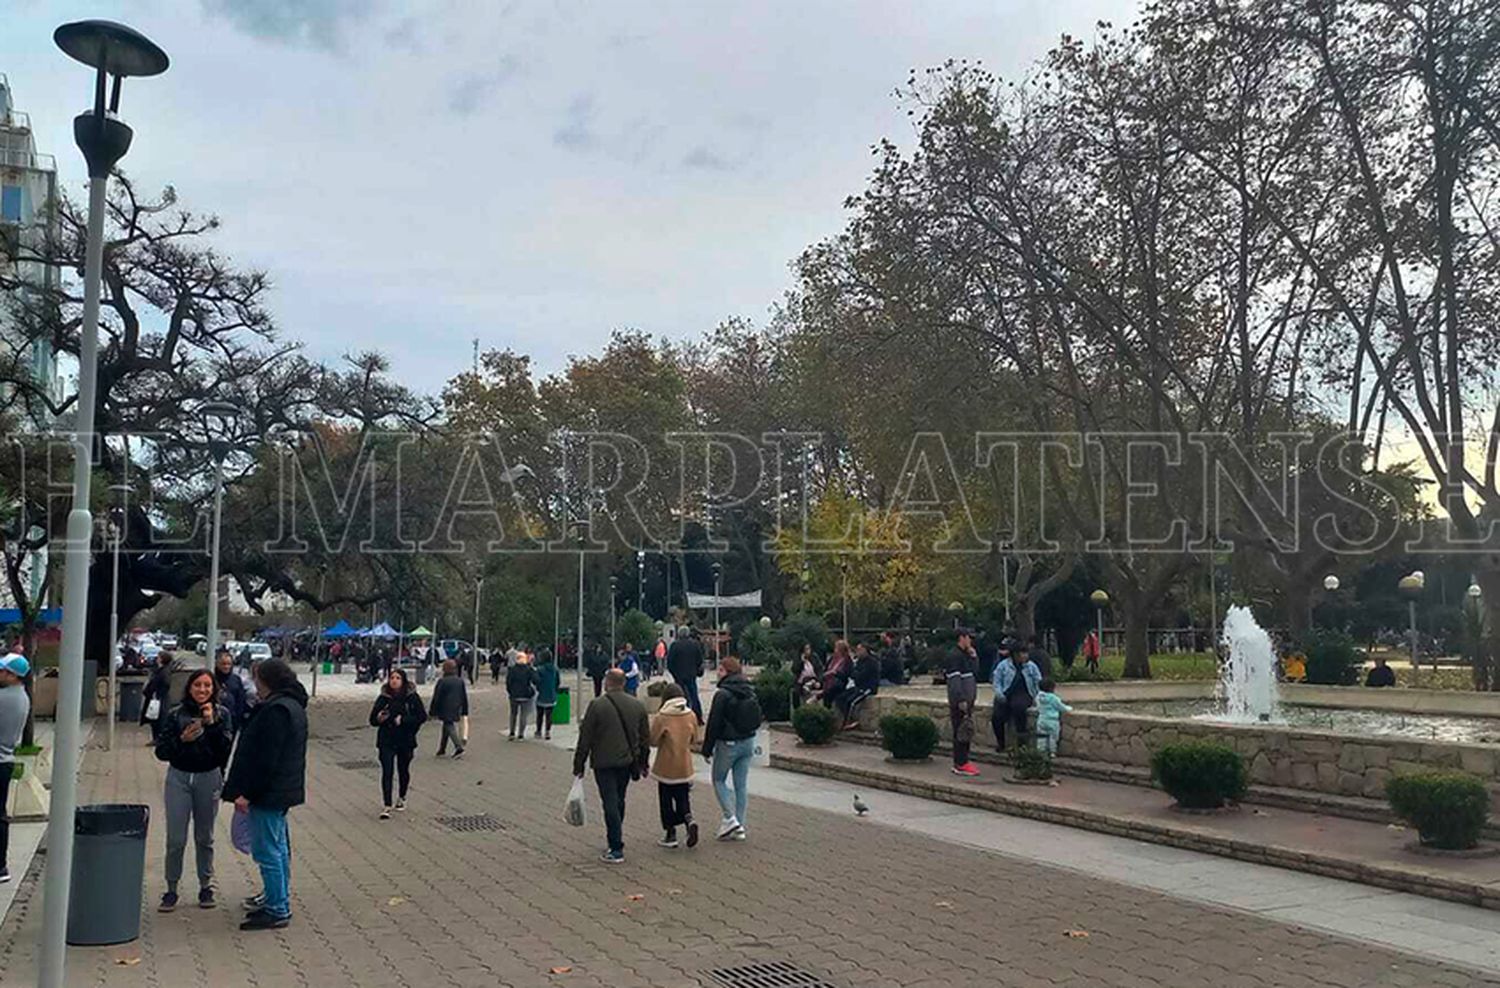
733	756
1013	710
675	799
398	762
612	784
270	846
450	732
690	689
1047	736
544	719
957	716
520	711
195	796
598	678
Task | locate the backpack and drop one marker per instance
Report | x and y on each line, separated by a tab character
744	715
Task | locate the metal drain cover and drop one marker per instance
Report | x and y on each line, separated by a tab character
359	764
474	824
778	974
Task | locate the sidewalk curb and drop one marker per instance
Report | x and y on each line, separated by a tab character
1397	879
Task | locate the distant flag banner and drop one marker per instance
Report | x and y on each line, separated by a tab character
707	601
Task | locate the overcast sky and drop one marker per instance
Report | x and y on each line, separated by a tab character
417	173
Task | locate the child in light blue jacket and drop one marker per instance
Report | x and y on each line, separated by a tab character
1049	711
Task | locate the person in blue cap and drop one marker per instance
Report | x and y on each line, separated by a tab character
15	706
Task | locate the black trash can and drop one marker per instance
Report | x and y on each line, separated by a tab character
109	866
132	698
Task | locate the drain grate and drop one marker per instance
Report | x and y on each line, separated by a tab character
474	824
359	764
775	975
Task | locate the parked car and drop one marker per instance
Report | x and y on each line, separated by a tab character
246	654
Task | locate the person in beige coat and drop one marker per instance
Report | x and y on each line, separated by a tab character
674	733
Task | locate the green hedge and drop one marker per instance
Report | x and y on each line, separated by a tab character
815	723
1200	774
773	688
1449	809
908	735
1332	659
1033	763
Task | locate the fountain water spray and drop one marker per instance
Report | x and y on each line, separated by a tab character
1247	680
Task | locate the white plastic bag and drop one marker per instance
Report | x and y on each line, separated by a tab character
761	756
574	811
239	831
153	708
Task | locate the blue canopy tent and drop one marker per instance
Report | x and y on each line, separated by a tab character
340	630
381	630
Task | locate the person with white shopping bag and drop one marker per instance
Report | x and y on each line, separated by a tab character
615	737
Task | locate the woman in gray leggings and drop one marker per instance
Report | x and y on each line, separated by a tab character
194	741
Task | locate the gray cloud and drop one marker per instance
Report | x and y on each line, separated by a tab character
703	159
472	92
320	23
577	132
404	36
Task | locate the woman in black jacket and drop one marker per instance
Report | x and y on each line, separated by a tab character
450	704
194	739
397	715
520	686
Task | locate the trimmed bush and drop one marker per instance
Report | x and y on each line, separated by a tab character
1200	775
756	646
773	688
638	628
1033	763
908	736
1332	659
1449	809
815	723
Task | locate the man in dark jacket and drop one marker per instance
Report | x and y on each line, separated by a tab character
729	739
231	691
596	664
959	672
863	684
615	736
892	669
1036	653
450	704
268	777
685	663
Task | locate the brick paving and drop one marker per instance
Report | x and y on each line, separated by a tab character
407	902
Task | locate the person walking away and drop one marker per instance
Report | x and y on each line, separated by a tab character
194	741
836	676
495	655
630	665
397	716
548	682
596	664
449	706
960	674
231	691
1091	652
673	733
15	707
520	686
659	657
864	683
1016	680
729	741
1049	710
1036	653
614	737
158	688
267	777
685	665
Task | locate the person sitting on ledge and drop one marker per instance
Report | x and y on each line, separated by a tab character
1382	674
1294	668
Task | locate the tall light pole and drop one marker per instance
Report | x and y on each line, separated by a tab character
613	584
718	586
123	491
578	644
111	50
478	589
1005	548
218	420
317	642
640	580
1411	586
1100	600
844	592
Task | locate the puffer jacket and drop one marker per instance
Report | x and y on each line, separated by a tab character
270	761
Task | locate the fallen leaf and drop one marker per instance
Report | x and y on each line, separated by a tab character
561	970
674	891
1077	934
636	897
127	961
943	905
395	900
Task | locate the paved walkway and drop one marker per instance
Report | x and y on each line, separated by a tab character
858	903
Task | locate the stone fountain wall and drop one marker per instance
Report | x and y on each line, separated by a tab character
1292	758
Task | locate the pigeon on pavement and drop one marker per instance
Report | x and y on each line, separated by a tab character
860	808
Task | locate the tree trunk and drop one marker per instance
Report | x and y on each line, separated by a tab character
1135	614
1023	617
1487	650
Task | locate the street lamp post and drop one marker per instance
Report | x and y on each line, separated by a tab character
1100	600
317	642
578	642
478	589
614	583
110	49
219	418
1005	578
123	490
718	585
844	593
640	581
1411	586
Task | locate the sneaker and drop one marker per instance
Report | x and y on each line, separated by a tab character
692	829
385	813
168	902
262	920
255	902
728	828
459	753
511	738
401	805
206	899
612	857
668	841
970	768
739	835
547	736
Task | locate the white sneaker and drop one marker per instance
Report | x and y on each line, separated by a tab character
385	813
728	828
400	806
739	835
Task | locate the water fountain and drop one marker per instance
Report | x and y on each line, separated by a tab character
1247	679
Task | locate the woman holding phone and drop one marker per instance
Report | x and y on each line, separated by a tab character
194	739
397	715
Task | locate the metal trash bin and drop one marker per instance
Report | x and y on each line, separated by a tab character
420	674
132	698
564	708
109	867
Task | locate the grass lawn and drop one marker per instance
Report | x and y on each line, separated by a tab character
1164	665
